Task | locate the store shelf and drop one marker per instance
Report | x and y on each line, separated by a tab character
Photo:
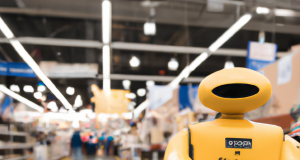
15	146
19	158
14	133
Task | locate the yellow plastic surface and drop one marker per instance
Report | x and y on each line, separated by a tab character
290	150
237	105
178	147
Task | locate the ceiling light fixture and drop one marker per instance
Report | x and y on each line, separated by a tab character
228	64
126	84
230	32
78	101
41	88
21	99
141	92
70	90
106	21
14	88
38	95
134	61
262	10
173	64
149	28
52	106
130	95
106	68
33	65
149	84
28	89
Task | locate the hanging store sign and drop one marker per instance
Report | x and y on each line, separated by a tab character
16	69
54	69
260	55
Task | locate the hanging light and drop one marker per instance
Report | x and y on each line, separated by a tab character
150	84
52	106
173	64
78	101
38	95
262	10
130	95
228	64
41	88
149	28
141	92
70	90
126	84
134	61
14	88
28	89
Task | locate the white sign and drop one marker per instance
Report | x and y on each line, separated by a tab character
262	51
284	74
71	70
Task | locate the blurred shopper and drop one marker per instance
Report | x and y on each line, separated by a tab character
76	150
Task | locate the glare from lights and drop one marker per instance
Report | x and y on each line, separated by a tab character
230	32
173	64
28	89
21	99
102	117
262	10
33	65
75	124
106	21
14	88
41	88
78	101
91	115
70	90
228	64
126	84
134	61
130	95
52	106
38	95
62	110
141	92
149	28
149	84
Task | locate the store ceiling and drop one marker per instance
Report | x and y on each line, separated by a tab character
179	23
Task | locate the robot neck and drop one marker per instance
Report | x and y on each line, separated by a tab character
232	116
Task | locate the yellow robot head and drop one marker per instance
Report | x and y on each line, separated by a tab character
234	91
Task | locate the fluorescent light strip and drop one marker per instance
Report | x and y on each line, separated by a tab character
33	65
230	32
202	57
106	39
21	99
106	21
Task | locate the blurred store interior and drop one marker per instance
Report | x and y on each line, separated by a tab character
117	79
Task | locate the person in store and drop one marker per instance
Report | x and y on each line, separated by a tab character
76	150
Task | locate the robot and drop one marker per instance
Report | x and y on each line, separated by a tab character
233	92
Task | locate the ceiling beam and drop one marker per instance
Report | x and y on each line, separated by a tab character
130	46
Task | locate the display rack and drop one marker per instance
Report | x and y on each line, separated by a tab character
14	145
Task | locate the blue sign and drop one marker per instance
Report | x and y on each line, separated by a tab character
187	96
260	55
16	69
